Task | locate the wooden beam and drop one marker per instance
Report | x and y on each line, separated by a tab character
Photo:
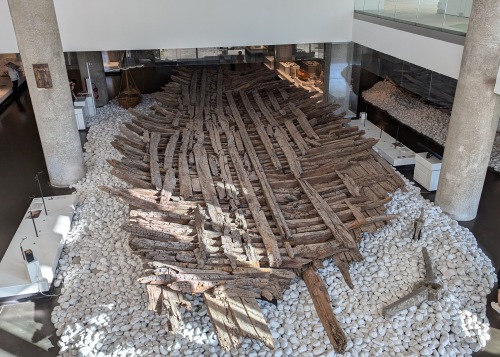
153	161
268	145
266	187
304	123
321	301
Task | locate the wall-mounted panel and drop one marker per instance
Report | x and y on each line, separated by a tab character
132	24
149	24
8	42
438	56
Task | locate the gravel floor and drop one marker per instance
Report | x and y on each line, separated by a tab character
423	118
102	309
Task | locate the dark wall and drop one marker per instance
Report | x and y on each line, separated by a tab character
387	123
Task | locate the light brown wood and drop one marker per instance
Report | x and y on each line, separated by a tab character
321	301
266	187
185	188
154	165
261	131
208	188
297	138
155	296
227	331
254	205
291	156
304	123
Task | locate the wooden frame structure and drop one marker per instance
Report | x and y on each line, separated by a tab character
240	183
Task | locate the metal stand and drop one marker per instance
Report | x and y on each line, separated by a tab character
397	138
21	246
41	192
31	215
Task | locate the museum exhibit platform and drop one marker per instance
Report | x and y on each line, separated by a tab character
17	276
427	170
389	148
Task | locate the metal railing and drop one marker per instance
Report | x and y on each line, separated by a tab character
447	15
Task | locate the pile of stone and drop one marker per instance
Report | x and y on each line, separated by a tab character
102	309
423	118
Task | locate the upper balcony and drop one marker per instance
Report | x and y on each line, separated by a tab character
451	16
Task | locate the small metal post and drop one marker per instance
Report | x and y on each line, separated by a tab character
31	215
41	192
21	246
397	137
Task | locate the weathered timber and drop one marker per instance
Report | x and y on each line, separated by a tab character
254	206
297	138
172	302
266	187
217	236
227	331
170	149
304	123
290	155
321	301
261	131
418	225
153	162
273	100
328	215
208	187
185	188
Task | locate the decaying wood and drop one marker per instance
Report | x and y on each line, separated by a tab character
208	187
239	182
261	131
254	206
185	188
268	192
153	162
321	301
418	225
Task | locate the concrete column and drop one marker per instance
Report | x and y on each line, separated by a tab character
326	71
39	42
96	73
284	53
474	116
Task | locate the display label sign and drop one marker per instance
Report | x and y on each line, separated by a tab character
42	75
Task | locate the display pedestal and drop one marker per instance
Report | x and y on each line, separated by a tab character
389	148
80	118
52	231
87	101
427	171
34	271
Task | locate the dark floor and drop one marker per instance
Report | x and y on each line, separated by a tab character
25	328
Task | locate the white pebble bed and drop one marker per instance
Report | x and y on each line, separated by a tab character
423	118
103	310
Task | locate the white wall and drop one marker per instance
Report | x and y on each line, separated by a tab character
439	56
8	43
150	24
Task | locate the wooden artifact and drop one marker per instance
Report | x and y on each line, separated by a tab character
418	225
240	182
129	95
303	75
426	290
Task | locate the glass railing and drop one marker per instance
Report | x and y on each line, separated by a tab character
446	15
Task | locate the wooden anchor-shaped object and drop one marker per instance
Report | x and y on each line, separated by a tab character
426	290
418	225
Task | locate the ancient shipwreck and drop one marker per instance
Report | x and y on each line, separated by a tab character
240	183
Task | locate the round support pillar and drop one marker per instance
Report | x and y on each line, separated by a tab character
39	42
97	74
474	116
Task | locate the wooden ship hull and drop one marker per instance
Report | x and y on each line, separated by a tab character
240	183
